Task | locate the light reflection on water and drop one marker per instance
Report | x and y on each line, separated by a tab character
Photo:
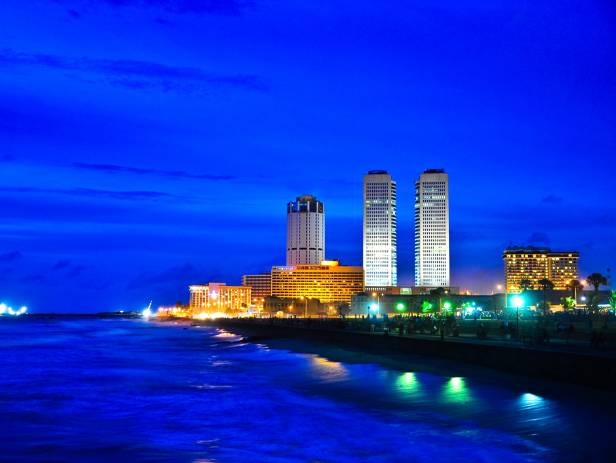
127	391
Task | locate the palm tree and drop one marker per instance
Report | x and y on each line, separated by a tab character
575	286
525	284
545	285
597	280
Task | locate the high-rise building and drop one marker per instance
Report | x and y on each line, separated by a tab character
432	259
217	298
261	286
328	282
305	231
380	223
536	264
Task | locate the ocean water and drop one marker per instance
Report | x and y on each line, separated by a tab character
94	390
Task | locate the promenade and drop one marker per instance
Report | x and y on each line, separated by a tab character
563	359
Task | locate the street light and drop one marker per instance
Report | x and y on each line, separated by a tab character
518	302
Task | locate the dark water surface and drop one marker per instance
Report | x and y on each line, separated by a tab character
90	390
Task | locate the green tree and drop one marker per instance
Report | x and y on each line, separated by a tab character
612	300
568	303
427	306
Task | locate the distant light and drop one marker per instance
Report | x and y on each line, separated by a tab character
146	313
447	305
374	307
400	306
517	301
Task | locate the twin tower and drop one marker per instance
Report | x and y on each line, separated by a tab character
306	230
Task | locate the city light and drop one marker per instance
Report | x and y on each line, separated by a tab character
517	301
7	310
374	308
400	307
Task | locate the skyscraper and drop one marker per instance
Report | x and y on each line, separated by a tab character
380	240
305	231
432	262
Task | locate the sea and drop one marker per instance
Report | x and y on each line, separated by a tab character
123	390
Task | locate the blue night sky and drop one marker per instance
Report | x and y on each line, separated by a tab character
149	144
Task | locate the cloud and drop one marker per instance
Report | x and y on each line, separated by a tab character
135	195
135	74
114	168
33	278
10	256
61	264
552	199
181	275
217	7
539	238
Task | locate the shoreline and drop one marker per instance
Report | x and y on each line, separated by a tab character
520	363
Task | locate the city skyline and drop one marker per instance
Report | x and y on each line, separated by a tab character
130	171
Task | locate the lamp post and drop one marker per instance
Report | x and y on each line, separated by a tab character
305	299
518	302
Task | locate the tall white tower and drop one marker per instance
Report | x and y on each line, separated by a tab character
305	231
380	223
432	262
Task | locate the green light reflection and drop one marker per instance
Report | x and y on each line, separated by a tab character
408	384
456	391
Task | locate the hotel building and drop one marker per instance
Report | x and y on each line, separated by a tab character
432	259
380	239
328	282
536	264
305	231
261	286
218	297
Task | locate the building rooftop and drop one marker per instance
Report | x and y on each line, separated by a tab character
377	172
434	171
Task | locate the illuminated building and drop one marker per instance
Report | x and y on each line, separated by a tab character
536	264
432	261
380	240
327	282
218	298
261	286
305	231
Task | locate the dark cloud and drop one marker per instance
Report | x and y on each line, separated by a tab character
33	278
114	168
92	193
539	238
61	264
180	275
552	199
10	256
135	74
221	7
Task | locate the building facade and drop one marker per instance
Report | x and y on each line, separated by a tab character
260	285
218	298
432	257
328	282
305	231
536	264
380	228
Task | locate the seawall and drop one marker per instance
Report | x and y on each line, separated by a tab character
595	369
